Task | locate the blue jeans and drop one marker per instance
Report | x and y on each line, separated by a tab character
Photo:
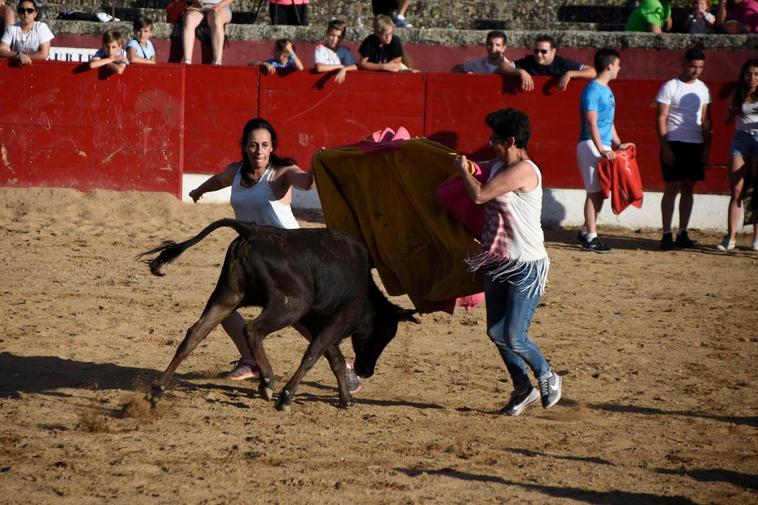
509	314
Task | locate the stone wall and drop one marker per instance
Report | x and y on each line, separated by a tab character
449	14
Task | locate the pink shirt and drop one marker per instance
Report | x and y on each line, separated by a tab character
746	12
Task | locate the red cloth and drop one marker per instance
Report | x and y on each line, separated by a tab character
452	195
620	179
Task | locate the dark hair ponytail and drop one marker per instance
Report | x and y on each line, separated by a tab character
274	159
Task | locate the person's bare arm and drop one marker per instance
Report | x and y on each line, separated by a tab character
390	66
215	182
296	60
585	73
707	132
590	118
661	126
517	176
299	178
7	52
41	53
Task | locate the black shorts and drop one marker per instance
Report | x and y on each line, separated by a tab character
288	14
384	6
688	163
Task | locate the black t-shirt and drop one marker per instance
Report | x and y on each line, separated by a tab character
559	66
375	53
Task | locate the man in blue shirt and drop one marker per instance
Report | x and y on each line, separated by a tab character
598	137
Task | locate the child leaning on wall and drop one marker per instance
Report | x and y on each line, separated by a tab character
331	55
383	50
111	55
284	58
140	49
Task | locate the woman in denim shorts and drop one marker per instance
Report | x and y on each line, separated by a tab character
743	163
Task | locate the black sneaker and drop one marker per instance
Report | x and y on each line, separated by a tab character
582	239
597	246
550	390
520	401
667	242
353	381
683	241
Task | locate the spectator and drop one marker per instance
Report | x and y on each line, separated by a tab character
495	46
700	20
331	55
650	16
111	55
684	129
261	185
395	9
513	257
217	13
382	50
737	16
546	61
598	136
27	39
7	17
288	12
284	58
140	49
743	162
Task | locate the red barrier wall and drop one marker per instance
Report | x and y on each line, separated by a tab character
62	124
65	125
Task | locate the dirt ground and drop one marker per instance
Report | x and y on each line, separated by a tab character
656	351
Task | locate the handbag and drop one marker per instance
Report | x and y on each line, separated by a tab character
175	9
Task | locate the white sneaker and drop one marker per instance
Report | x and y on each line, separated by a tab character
755	245
726	244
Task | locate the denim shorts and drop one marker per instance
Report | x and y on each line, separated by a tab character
745	143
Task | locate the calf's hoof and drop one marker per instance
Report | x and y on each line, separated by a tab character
284	401
154	394
346	402
266	389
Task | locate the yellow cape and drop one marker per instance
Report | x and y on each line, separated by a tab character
383	195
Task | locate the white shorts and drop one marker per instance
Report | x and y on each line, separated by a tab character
587	158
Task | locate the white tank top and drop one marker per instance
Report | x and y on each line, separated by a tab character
747	119
522	211
257	204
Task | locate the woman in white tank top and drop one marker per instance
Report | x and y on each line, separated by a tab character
743	163
513	257
261	193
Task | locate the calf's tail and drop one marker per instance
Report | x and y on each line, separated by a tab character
170	250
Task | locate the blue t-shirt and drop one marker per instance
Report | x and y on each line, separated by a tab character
599	98
143	52
278	64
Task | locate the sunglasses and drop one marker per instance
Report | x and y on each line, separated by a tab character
541	51
27	10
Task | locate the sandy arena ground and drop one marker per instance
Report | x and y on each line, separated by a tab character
656	350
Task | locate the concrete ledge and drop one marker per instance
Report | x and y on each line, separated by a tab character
561	207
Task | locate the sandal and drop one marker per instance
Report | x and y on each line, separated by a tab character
244	369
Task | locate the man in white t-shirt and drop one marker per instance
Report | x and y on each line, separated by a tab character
495	45
684	130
